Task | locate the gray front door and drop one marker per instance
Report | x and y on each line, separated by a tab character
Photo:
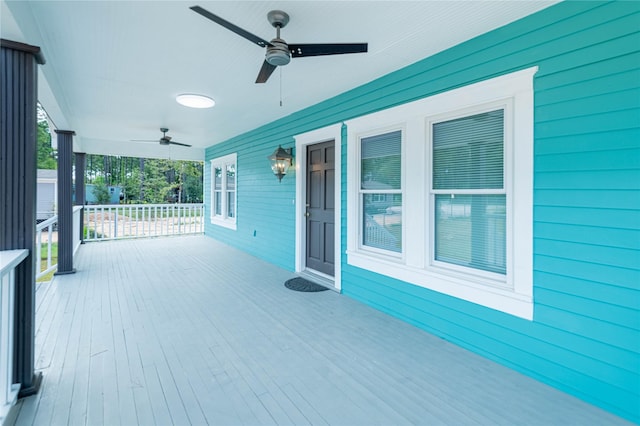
320	212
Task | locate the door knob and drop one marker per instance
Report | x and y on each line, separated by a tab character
307	214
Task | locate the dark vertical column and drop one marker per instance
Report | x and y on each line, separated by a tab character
18	123
80	197
65	202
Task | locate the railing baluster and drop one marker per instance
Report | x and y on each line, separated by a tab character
95	219
49	244
39	250
102	219
88	220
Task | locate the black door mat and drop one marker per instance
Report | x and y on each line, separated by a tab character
300	284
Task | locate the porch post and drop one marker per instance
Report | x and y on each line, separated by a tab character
65	202
18	124
80	197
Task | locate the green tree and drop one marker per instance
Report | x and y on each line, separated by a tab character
191	180
101	192
131	186
147	180
46	155
158	184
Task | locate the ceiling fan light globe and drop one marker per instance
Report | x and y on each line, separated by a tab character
278	54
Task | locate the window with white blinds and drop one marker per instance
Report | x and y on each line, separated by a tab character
381	191
223	191
440	192
230	190
469	196
217	191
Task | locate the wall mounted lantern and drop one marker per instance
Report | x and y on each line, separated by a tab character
281	160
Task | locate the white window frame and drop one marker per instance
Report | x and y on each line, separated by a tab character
361	192
511	293
223	219
489	278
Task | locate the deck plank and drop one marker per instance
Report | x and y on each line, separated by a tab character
187	330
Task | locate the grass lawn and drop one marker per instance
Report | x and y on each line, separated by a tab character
43	260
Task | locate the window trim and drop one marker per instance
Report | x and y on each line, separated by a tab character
513	296
361	246
486	277
223	220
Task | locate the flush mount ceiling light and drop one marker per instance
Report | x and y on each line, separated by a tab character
195	101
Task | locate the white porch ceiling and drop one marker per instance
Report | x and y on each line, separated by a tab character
114	67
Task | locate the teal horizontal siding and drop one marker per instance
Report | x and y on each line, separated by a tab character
604	237
593	253
264	205
592	290
600	217
594	123
625	317
585	335
611	275
617	73
618	139
622	159
587	325
624	199
592	105
592	179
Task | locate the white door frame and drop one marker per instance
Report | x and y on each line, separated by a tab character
324	134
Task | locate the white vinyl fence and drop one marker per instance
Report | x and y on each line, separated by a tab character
111	222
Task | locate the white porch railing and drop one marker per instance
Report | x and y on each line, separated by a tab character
45	234
47	237
9	260
111	222
77	237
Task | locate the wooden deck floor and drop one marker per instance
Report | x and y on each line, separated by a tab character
186	330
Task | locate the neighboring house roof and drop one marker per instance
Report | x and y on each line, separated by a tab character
47	174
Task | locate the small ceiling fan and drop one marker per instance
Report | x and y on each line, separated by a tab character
279	53
164	140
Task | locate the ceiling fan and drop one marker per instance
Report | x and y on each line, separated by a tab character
164	140
279	53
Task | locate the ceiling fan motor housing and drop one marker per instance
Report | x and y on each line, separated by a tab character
278	53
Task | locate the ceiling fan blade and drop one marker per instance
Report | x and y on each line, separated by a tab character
228	25
265	72
178	143
144	140
302	50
